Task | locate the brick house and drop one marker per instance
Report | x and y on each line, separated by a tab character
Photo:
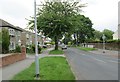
14	34
19	36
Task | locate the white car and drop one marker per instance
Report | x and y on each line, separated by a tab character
64	47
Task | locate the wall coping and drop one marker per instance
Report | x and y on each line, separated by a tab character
4	55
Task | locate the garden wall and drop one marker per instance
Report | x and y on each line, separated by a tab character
12	58
109	46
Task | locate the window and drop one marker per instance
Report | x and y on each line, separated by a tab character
11	32
12	46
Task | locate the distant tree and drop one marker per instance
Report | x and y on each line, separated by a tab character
67	38
83	29
97	35
5	41
108	34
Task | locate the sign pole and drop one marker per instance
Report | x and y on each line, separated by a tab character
103	43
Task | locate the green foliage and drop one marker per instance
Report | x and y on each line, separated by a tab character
51	68
108	34
97	35
56	52
83	29
86	48
18	48
56	18
5	40
107	41
52	42
111	41
69	43
67	38
31	49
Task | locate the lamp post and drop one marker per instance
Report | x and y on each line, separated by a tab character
36	44
103	37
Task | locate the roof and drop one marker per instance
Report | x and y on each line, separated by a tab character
6	24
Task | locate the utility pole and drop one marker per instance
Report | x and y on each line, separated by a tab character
103	37
37	76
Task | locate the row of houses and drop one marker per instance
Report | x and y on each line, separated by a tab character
19	36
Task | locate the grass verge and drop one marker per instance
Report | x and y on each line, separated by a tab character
86	48
51	68
56	52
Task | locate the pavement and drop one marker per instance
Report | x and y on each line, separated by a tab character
92	66
9	71
110	53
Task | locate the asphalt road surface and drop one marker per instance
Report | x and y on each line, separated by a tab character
90	66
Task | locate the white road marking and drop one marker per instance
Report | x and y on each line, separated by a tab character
99	60
82	54
114	61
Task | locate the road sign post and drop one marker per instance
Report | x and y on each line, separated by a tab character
103	37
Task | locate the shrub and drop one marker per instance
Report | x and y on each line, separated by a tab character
53	43
5	40
18	48
31	49
39	49
69	43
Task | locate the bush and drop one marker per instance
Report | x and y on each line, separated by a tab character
18	48
69	43
12	51
31	49
5	40
53	43
108	41
39	49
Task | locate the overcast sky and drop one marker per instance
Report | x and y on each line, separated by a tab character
103	13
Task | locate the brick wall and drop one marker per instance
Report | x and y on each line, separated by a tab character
6	60
109	46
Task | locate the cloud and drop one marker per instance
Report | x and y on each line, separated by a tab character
15	8
103	13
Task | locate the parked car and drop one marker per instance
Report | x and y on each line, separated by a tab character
44	46
64	47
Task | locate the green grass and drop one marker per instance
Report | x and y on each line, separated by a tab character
86	48
56	52
51	68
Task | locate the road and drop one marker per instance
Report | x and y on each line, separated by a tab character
90	66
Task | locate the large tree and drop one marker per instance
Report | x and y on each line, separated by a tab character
56	18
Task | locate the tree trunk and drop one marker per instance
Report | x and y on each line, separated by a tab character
56	43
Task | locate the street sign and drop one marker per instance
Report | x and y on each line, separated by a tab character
103	37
